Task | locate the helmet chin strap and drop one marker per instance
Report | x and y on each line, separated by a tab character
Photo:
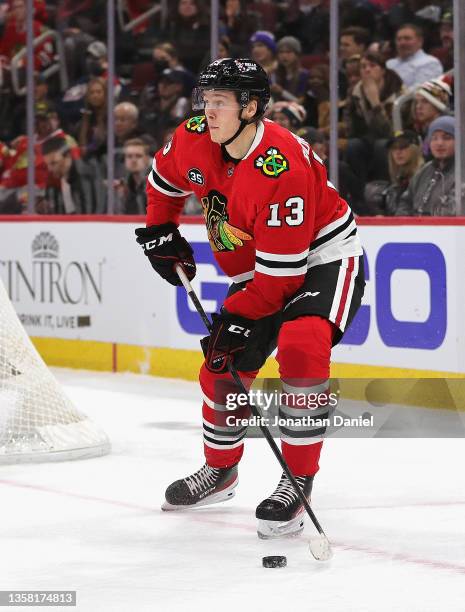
239	130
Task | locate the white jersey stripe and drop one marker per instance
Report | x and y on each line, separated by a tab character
338	292
281	257
332	226
211	404
222	446
281	271
301	441
350	293
245	276
176	191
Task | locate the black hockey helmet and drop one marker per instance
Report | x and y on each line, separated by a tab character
243	76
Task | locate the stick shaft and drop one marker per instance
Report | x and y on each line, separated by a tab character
255	411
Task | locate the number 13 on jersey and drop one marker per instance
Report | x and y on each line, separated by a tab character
295	214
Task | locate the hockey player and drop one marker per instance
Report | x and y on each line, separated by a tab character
289	243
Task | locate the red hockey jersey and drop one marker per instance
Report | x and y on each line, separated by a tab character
269	217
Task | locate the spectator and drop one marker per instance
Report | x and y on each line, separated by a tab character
130	190
47	124
166	56
96	66
72	188
353	76
13	38
291	78
412	64
92	129
126	117
316	100
445	53
369	113
170	107
353	41
238	25
263	51
349	186
405	159
126	121
432	189
432	99
308	20
288	114
189	31
85	16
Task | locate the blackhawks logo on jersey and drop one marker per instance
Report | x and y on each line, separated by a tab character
198	125
222	235
273	163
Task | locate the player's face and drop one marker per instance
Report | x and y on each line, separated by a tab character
222	113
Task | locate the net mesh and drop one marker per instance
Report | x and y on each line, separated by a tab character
37	421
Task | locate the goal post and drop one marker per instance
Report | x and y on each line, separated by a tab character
37	421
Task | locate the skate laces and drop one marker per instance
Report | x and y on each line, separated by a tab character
285	493
202	479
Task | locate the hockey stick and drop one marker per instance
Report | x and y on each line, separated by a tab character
319	545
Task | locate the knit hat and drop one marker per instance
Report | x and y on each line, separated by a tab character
437	92
265	37
97	49
293	111
292	43
445	124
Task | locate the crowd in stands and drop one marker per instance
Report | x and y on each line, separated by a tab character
396	130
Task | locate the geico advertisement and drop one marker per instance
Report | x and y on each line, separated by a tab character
92	281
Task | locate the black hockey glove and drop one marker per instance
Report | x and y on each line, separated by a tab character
227	341
165	247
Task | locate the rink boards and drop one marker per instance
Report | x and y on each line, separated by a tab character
86	293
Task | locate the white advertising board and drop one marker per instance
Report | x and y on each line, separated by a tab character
90	281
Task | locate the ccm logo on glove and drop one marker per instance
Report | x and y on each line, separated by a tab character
229	337
165	248
153	244
237	329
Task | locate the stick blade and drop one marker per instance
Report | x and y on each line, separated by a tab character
320	548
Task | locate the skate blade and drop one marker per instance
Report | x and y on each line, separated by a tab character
267	530
217	498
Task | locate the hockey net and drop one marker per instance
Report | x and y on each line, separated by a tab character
37	421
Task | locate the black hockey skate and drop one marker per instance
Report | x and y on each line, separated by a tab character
282	513
207	486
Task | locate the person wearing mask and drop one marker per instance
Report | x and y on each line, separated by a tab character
96	67
431	191
169	107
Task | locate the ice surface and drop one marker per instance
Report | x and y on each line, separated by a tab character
393	510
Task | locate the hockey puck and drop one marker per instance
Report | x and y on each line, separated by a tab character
276	561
